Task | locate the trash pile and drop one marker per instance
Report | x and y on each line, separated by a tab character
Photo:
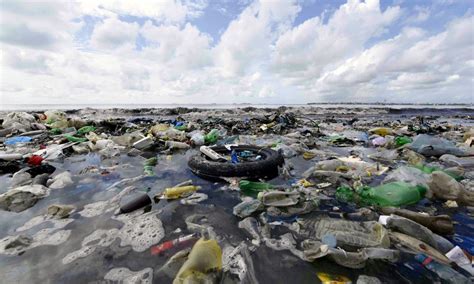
237	196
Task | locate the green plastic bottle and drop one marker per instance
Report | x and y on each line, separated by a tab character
71	138
391	194
211	137
402	140
252	188
85	130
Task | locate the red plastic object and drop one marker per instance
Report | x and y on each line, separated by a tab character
35	160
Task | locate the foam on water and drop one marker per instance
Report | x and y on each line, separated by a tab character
125	275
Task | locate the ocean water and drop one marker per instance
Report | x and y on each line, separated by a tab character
6	107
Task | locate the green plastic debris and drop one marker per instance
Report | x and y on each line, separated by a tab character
149	165
72	138
390	194
402	140
252	188
181	127
84	130
55	131
211	137
345	193
430	170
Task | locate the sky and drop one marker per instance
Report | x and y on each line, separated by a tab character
236	51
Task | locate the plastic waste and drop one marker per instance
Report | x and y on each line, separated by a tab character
72	138
428	145
451	160
18	120
349	234
23	197
402	140
458	256
390	194
139	202
42	169
10	156
204	258
445	187
84	130
252	188
59	211
197	139
149	165
247	208
382	131
211	137
17	139
327	278
411	228
176	243
445	272
213	155
177	192
60	181
35	160
418	246
174	145
410	175
441	224
279	198
143	143
379	141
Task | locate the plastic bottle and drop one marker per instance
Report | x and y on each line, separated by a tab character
177	192
443	271
391	194
205	257
85	130
211	137
402	140
149	165
172	244
382	131
136	203
441	224
211	153
279	198
252	188
71	138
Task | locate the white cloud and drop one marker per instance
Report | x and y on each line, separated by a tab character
247	40
113	33
304	52
181	48
169	11
261	56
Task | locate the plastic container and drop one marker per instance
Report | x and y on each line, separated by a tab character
206	256
444	272
391	194
252	188
402	140
279	198
136	203
177	192
211	137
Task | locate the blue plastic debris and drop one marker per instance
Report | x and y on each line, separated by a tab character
17	139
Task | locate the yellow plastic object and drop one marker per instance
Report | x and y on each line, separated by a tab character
305	183
177	192
308	155
327	278
205	257
382	131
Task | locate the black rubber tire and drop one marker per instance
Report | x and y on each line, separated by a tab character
266	168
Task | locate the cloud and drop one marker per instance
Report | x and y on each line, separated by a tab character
168	11
113	33
37	25
153	52
304	52
409	61
247	40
